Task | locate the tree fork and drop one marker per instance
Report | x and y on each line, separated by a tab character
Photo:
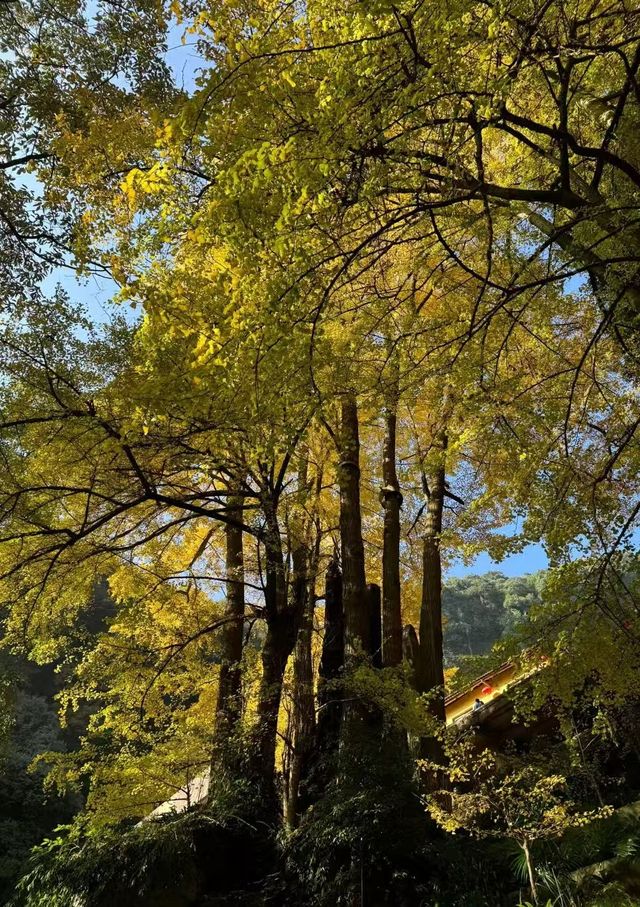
282	619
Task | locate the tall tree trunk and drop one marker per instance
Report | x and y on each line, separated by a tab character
331	661
228	705
429	672
391	502
411	654
319	769
410	645
302	724
303	718
375	624
354	594
282	619
356	624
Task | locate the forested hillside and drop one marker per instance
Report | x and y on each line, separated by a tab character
30	727
304	301
480	610
32	724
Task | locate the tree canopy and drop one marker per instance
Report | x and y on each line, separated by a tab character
376	304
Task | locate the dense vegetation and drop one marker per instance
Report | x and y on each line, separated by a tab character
478	611
375	287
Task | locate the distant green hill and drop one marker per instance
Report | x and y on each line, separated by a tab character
479	610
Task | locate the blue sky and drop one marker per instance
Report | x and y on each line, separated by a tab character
532	559
92	292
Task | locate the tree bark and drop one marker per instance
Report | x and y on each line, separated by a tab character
375	624
430	668
354	594
356	624
391	502
302	726
411	654
303	717
228	705
410	645
282	619
331	661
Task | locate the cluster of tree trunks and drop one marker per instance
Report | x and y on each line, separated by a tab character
360	621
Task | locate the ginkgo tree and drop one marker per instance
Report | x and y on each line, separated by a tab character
383	264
